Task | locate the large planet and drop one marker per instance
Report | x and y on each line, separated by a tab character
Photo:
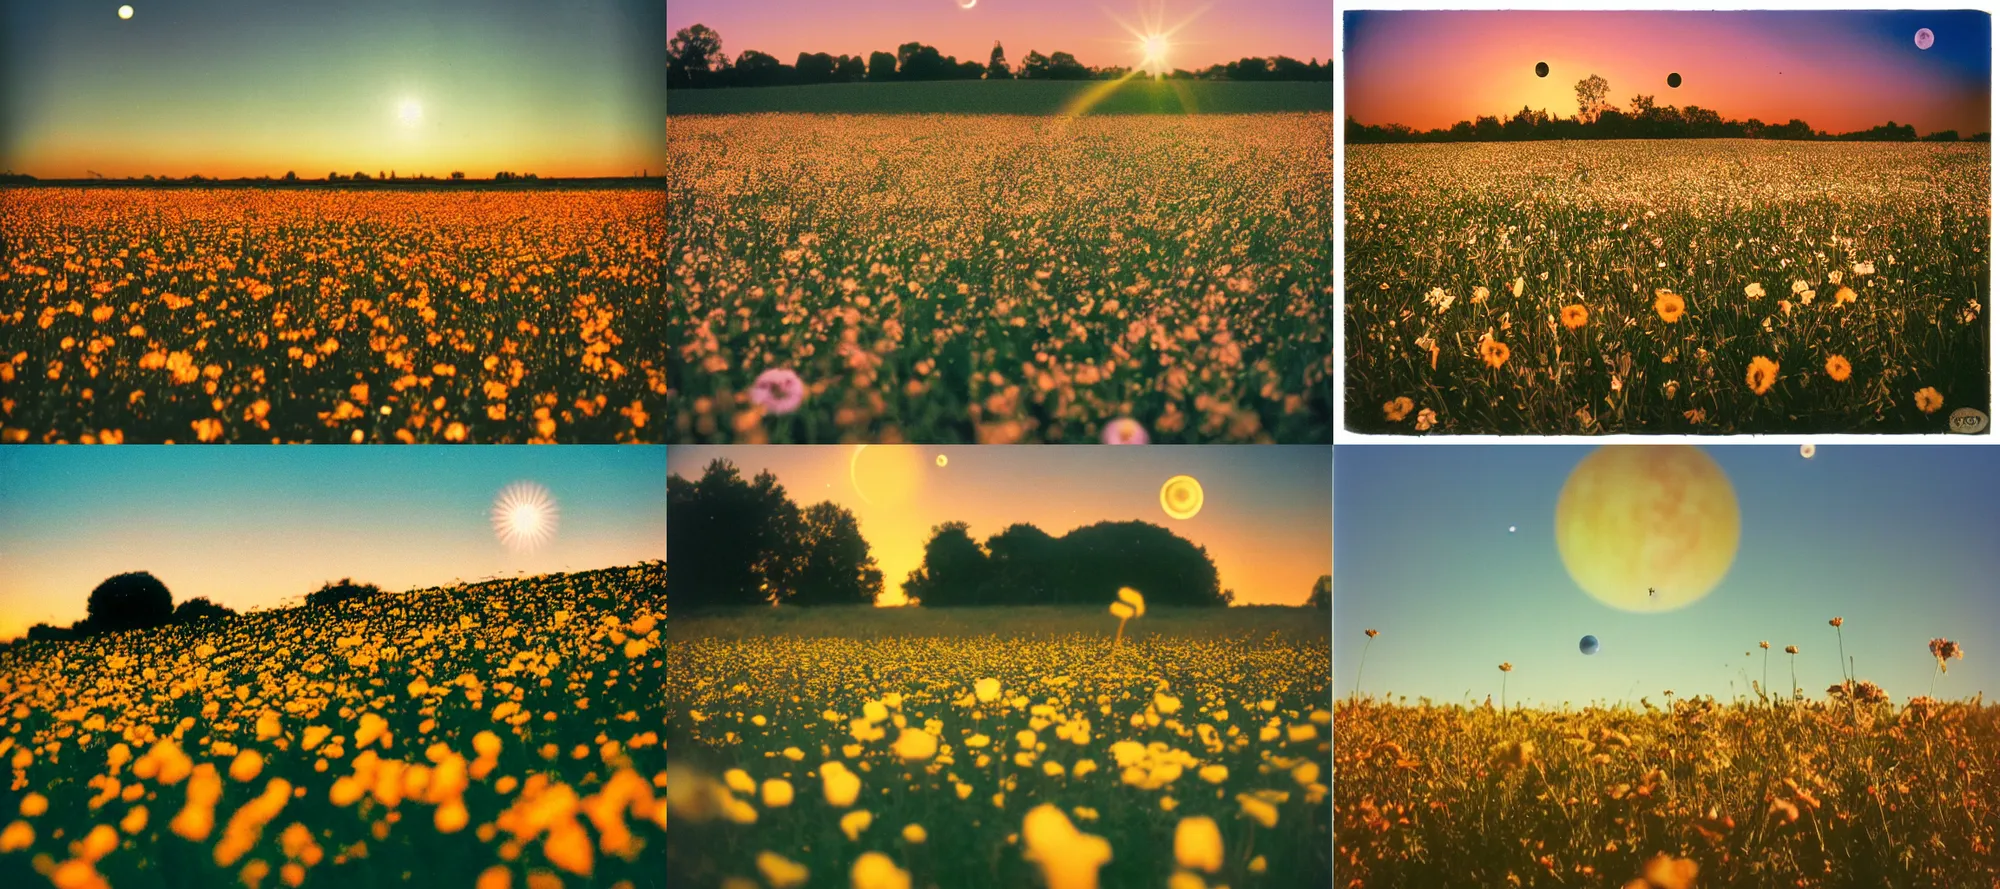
1647	527
1587	645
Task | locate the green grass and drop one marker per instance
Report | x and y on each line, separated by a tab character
1136	96
1605	226
746	690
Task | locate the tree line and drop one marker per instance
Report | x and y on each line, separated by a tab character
737	542
137	600
1642	118
696	60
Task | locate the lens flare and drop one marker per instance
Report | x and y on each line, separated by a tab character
1181	497
524	516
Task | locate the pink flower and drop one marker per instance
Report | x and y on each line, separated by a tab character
778	390
1125	430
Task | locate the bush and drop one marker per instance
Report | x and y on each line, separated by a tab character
200	609
131	601
345	590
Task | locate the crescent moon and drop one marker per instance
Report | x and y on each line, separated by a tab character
853	477
967	4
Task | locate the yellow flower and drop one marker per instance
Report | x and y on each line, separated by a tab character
18	835
1131	597
1928	400
1762	375
853	823
874	870
781	872
914	833
1575	316
839	785
1843	295
777	793
1754	290
1198	844
1494	352
1069	859
1838	368
1122	611
1258	810
739	781
915	745
1214	774
246	765
986	690
34	804
1398	409
1669	305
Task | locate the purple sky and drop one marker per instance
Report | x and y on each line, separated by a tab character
1096	33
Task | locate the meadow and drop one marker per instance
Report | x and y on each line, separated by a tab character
330	315
1687	286
1695	793
997	748
999	278
493	734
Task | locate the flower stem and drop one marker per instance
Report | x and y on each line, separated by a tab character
1357	670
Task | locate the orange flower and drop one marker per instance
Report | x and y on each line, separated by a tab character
1575	316
1494	352
1843	295
1670	305
1373	633
1836	622
1763	373
1928	400
1838	368
1791	649
1506	667
1398	409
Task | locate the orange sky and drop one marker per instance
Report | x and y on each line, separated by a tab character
1838	71
1266	517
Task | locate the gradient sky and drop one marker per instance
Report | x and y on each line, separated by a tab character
253	87
252	526
1839	71
1095	32
1896	539
1265	518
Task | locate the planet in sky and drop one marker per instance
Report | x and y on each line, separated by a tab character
1587	645
1924	38
1181	497
1541	69
1674	80
1647	528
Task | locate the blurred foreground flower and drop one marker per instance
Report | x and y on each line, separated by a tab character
778	390
1069	858
1125	431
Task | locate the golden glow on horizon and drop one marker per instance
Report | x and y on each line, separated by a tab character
524	516
1181	497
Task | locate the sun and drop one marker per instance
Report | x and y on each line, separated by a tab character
524	516
1153	53
124	12
410	111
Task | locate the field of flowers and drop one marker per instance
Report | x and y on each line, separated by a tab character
1696	286
495	734
999	749
1694	794
998	279
250	315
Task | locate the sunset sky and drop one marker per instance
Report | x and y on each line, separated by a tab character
1265	518
251	526
230	88
1895	539
1839	71
1095	32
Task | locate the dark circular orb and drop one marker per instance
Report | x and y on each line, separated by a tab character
1674	80
1587	645
1541	69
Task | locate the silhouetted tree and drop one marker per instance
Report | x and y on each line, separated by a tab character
200	609
737	542
1019	563
816	67
1590	94
1322	594
343	590
291	176
50	633
693	55
132	601
881	66
851	69
1085	566
834	566
1034	66
996	64
755	68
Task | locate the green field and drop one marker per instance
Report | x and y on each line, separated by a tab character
1686	286
503	733
1137	96
1198	714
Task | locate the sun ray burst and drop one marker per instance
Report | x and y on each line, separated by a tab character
524	516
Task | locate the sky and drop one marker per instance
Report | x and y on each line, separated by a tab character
1839	71
229	88
1895	539
1265	517
253	526
1099	34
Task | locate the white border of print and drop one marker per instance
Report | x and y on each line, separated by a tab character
1341	433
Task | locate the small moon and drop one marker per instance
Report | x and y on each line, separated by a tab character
1925	38
1510	529
1541	69
124	12
1587	645
967	4
1807	451
1181	497
1674	80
